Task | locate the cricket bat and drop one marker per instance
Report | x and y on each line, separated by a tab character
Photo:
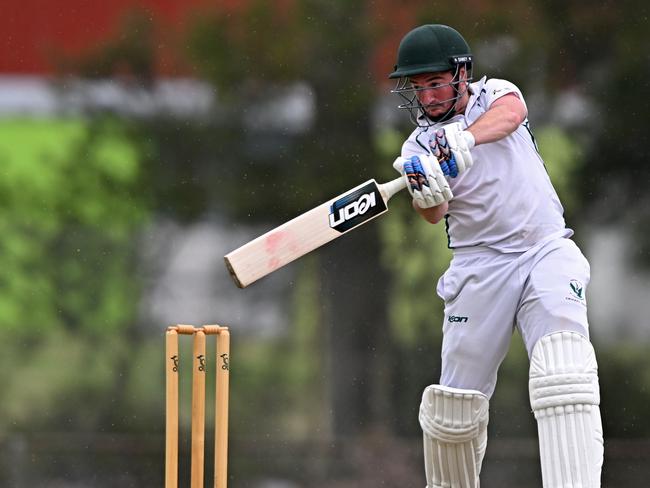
310	230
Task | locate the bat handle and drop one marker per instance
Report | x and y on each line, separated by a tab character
390	188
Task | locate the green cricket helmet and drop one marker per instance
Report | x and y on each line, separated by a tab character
430	48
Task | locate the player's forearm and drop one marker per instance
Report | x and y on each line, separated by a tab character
497	123
433	215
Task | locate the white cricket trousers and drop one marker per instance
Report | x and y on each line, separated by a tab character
488	293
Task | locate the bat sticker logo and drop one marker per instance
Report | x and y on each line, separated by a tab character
356	208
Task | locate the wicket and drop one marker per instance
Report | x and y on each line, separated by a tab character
198	404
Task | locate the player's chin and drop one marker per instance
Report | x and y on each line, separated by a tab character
437	110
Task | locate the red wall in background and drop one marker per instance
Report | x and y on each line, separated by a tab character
32	30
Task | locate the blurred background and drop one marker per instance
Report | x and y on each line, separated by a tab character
141	140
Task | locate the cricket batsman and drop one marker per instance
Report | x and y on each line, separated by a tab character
473	161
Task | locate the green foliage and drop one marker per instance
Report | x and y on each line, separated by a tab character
260	51
70	207
416	254
388	143
563	159
241	50
57	379
509	406
624	372
285	375
68	214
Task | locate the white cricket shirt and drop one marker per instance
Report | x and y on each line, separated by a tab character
505	201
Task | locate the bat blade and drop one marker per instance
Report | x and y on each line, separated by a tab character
309	231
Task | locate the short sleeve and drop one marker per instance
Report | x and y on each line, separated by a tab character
495	88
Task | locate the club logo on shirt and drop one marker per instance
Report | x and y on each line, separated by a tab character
577	289
577	292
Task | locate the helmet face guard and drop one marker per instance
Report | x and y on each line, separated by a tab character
418	111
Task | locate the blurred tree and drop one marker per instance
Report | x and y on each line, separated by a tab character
69	189
302	168
625	389
70	207
597	50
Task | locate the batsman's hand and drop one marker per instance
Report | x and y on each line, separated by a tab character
424	179
451	145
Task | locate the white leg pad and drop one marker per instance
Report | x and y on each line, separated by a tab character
454	424
565	399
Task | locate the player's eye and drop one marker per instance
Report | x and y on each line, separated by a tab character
430	85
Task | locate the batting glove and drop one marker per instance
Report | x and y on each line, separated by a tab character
451	145
425	180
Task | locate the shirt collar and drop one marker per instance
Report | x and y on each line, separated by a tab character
475	90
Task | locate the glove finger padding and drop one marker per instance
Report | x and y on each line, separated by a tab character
436	150
425	181
439	145
459	142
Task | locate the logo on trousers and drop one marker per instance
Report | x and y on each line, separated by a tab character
457	318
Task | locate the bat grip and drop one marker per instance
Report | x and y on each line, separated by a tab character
390	188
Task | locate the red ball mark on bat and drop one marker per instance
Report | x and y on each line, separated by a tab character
273	242
278	246
273	245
